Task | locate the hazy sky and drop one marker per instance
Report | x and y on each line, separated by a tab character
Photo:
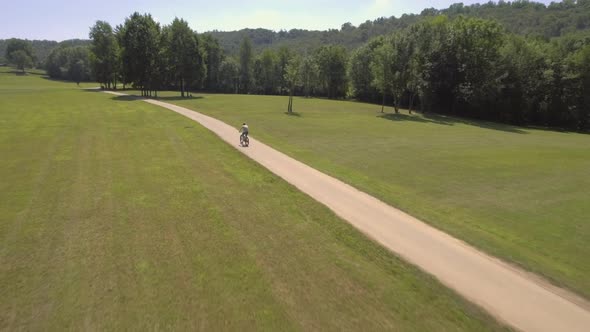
66	19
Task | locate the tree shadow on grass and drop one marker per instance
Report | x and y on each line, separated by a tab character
127	98
480	123
17	73
294	114
45	77
116	98
177	98
164	99
413	118
451	121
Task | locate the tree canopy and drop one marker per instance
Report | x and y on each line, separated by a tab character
104	54
522	17
20	53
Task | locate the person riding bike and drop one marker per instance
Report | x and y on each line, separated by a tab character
244	130
244	141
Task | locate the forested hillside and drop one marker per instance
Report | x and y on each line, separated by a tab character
42	48
520	17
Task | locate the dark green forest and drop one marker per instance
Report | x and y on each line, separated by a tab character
517	62
520	17
42	48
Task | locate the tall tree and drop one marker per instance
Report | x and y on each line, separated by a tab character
309	75
332	63
401	70
415	82
293	79
581	66
229	76
381	69
267	74
183	54
360	73
523	64
104	54
78	64
199	71
69	63
21	59
476	45
284	55
460	64
246	60
20	53
213	60
77	71
140	42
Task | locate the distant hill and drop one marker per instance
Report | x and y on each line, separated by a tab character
521	17
42	48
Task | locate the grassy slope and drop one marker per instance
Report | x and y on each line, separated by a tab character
520	194
117	214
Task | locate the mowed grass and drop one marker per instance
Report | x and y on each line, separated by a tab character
520	194
119	215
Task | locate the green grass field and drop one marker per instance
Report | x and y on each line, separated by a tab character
120	215
520	194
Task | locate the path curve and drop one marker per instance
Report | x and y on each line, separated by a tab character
514	296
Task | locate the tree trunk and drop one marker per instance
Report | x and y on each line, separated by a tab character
291	99
411	102
182	87
383	103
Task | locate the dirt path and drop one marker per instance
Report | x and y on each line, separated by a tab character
518	298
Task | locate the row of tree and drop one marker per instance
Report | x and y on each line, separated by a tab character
40	49
464	66
473	67
147	56
321	72
69	63
63	62
142	54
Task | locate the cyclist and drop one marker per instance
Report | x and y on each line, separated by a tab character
244	131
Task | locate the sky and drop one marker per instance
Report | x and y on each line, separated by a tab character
67	19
